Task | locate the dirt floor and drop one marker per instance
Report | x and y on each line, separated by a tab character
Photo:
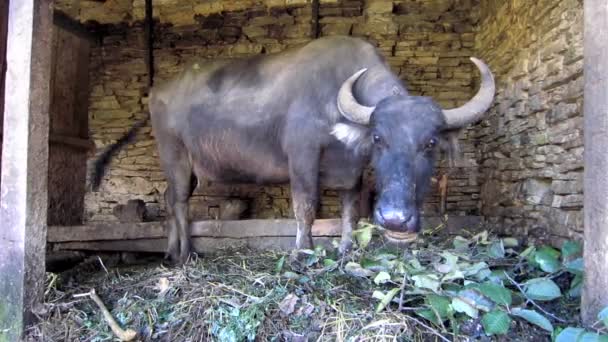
470	287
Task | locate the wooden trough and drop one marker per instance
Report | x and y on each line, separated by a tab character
209	236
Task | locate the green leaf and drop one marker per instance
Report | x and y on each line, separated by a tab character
575	266
382	278
279	266
542	289
534	318
571	249
475	268
475	298
461	306
499	294
528	252
363	236
603	316
547	259
291	275
593	337
386	299
329	262
428	314
496	322
570	334
576	287
427	281
373	265
440	304
356	270
510	242
496	250
460	243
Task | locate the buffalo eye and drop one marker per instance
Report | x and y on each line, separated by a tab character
431	143
376	139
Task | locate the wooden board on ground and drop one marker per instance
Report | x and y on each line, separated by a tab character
211	236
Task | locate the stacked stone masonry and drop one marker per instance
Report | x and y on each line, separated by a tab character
531	152
427	43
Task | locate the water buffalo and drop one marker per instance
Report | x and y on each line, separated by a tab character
313	116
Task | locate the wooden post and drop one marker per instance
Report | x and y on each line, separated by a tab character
316	30
150	42
595	289
23	202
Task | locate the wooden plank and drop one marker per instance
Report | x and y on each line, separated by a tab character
221	229
227	236
199	244
77	143
151	230
65	22
595	296
23	202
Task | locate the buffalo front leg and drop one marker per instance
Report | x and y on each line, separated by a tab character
172	252
304	193
350	216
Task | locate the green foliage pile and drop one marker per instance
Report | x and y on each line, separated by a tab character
442	287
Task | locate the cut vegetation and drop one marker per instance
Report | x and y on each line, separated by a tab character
440	288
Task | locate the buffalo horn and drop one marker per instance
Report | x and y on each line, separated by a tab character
348	105
473	110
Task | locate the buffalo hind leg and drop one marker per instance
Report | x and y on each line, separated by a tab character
178	172
350	216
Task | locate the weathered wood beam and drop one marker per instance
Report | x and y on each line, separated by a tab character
234	229
65	22
212	228
78	143
210	236
23	202
149	23
595	293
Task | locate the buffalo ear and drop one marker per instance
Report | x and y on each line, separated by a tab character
450	146
353	135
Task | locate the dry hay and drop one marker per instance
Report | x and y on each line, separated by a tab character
377	293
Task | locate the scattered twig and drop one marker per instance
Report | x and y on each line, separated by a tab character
124	335
102	265
429	328
532	301
402	292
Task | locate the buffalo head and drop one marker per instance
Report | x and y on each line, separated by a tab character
401	133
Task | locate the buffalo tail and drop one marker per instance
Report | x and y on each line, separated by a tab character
99	168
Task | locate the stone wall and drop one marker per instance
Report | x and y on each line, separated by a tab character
426	42
532	143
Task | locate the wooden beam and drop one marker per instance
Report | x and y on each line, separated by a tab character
210	236
65	22
200	244
78	143
215	229
234	229
595	294
23	202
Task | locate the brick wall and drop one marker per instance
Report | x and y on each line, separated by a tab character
532	143
426	42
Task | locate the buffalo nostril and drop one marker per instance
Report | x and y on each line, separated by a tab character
394	219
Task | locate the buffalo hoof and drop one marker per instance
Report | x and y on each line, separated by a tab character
169	260
346	245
